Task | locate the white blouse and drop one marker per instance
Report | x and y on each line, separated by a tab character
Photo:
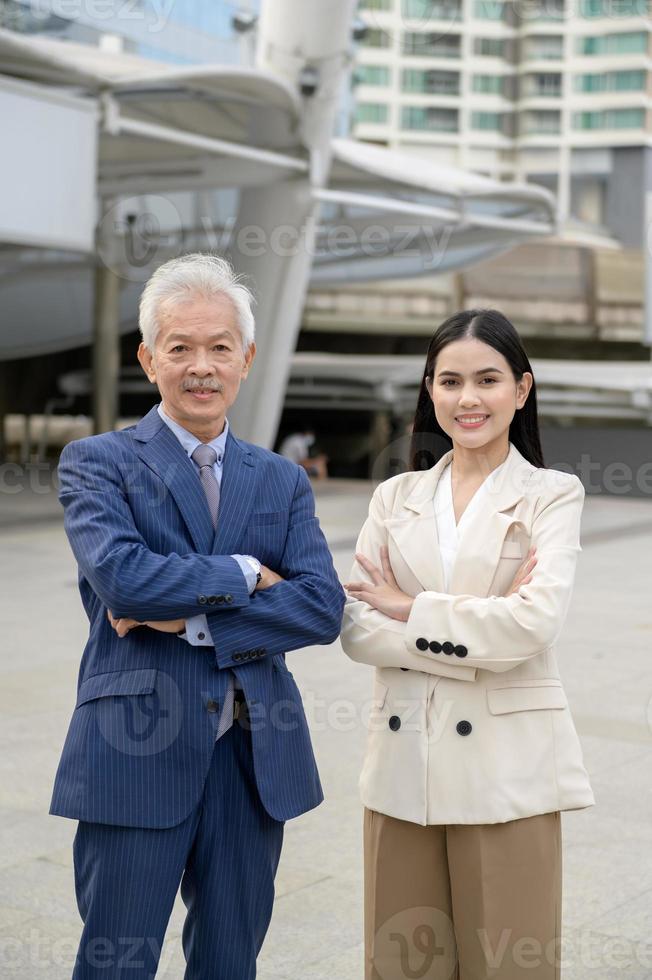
448	531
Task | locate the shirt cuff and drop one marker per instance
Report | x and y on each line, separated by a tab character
197	632
249	570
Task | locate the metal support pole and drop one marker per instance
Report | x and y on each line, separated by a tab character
106	335
647	258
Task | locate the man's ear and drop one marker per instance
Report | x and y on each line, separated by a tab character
147	362
250	353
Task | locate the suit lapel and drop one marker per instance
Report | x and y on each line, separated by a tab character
236	496
414	529
162	452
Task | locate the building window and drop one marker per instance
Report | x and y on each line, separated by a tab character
612	81
375	4
490	47
429	118
544	84
376	38
371	112
548	47
487	121
544	122
489	9
610	119
426	10
431	45
633	42
430	81
613	8
373	75
490	84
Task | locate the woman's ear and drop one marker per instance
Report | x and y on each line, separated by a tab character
523	388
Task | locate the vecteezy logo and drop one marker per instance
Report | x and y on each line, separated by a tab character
416	944
142	724
137	233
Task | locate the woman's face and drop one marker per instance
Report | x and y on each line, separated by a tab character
474	392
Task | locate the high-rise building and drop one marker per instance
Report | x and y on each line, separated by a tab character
553	91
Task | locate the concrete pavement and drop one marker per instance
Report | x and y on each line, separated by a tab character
605	655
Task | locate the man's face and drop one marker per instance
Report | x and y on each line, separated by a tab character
198	362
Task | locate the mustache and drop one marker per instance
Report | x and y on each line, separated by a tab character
202	384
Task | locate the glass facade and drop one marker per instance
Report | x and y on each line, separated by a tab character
632	42
610	119
430	81
373	75
431	45
371	112
490	84
612	81
429	119
487	121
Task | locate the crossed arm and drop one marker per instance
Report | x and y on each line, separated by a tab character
382	625
136	583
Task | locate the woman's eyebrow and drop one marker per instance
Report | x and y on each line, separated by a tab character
456	374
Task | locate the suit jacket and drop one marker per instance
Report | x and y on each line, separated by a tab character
470	722
143	730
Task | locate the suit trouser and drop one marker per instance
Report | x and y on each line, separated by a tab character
462	902
224	855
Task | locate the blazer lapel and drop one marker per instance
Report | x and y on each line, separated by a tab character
162	452
414	529
236	497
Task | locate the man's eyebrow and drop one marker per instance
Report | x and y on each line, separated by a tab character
456	374
185	336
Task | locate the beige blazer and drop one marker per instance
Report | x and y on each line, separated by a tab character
470	722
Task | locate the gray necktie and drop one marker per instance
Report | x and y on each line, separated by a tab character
206	457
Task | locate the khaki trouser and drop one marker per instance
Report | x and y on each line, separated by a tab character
462	902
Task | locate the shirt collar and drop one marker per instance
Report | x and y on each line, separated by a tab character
190	442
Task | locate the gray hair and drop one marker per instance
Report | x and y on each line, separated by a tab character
189	276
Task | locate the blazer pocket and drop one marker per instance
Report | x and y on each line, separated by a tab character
511	549
502	700
140	680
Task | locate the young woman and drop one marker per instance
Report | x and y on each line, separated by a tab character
462	581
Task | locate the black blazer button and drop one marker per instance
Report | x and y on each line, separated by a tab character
202	600
219	599
464	727
228	597
237	656
460	651
212	599
395	723
405	668
212	706
447	647
422	643
435	647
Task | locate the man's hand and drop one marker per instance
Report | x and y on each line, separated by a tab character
122	626
268	578
383	592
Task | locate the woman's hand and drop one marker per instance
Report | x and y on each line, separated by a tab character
523	575
122	626
382	592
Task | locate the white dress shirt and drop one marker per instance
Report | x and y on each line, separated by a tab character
197	631
448	531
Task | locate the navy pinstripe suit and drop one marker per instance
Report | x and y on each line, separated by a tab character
158	799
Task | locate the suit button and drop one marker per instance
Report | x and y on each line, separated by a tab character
460	651
464	728
395	723
212	599
228	597
435	647
212	706
447	647
201	636
219	599
237	656
422	643
202	600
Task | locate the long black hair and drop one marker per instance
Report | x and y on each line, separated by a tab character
494	329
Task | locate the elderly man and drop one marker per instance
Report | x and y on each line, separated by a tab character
201	563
